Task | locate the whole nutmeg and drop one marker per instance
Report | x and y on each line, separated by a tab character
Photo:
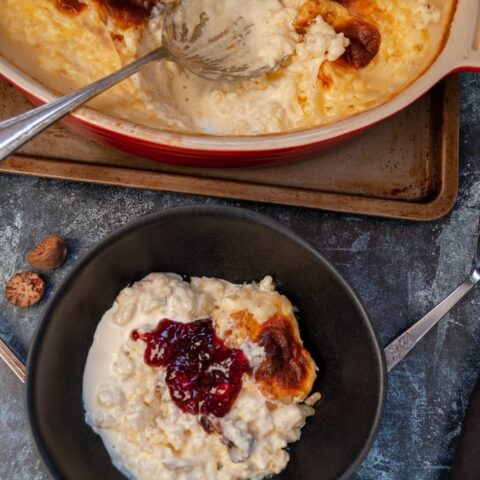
48	254
24	289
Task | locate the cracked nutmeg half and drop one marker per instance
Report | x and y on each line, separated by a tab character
48	254
24	289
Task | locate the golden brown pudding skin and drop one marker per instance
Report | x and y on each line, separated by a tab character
126	13
288	369
364	41
345	16
70	7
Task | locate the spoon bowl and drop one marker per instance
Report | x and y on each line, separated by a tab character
218	41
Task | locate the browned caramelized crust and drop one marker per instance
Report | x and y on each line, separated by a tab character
364	41
288	369
126	13
306	15
245	324
347	17
70	7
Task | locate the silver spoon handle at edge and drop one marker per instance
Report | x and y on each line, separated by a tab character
403	344
7	355
16	131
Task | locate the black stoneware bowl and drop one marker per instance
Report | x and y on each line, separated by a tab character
239	246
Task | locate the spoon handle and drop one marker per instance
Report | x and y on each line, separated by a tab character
403	344
12	361
16	131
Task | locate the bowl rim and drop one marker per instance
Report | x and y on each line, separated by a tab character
155	217
450	57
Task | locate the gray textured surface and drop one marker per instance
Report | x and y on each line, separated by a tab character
400	269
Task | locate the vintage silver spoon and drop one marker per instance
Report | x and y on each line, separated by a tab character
218	48
394	353
402	345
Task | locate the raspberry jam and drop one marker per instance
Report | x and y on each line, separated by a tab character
204	376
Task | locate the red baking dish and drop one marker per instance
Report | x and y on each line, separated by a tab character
460	52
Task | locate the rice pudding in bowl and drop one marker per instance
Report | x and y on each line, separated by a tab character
346	56
198	380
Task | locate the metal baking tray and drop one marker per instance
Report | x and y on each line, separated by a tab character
405	167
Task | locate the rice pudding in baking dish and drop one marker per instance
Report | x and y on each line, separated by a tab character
345	56
198	380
